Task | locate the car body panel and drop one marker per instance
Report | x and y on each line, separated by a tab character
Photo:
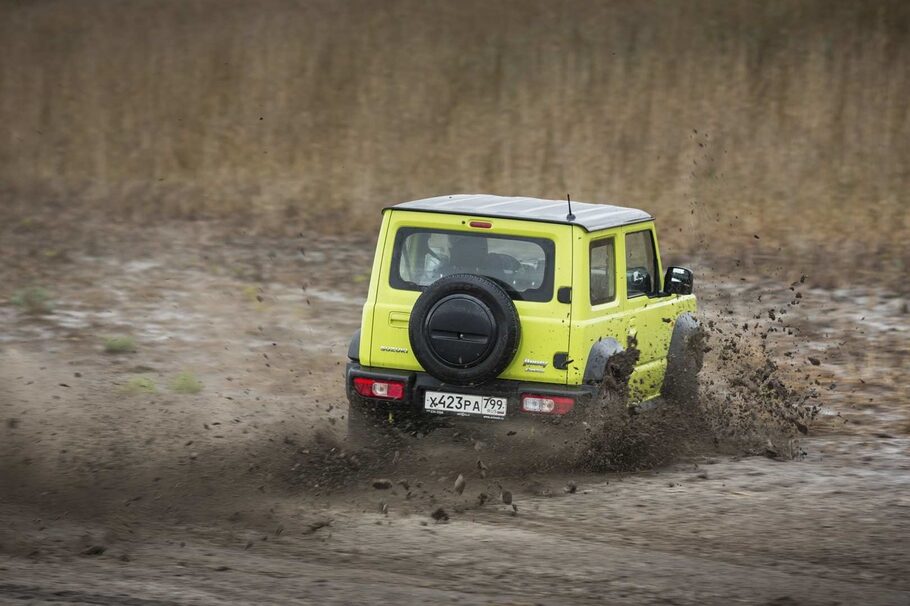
544	325
571	327
648	320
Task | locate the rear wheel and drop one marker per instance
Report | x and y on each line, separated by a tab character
608	419
609	408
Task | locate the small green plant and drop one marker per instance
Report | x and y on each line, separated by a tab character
253	295
119	344
33	300
140	385
186	382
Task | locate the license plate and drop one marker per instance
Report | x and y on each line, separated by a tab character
464	404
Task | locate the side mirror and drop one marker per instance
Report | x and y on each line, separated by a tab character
678	281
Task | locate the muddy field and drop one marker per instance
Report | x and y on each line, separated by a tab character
172	411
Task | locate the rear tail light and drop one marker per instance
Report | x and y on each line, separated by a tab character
376	388
553	405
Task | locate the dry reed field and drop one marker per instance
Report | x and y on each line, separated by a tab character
727	119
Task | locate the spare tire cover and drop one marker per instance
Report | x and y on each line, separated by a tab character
464	329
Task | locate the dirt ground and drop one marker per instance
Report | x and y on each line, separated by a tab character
208	465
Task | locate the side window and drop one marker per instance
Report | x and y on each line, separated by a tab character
641	264
603	272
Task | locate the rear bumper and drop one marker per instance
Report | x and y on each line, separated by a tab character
417	383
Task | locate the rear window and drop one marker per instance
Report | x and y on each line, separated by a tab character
523	266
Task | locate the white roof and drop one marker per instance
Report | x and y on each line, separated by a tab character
591	217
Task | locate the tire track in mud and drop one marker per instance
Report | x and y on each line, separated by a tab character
66	596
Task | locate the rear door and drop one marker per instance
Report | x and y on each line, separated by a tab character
533	258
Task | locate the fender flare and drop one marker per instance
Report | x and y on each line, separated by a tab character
686	330
601	351
354	347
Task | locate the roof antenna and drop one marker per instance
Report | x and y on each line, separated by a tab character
570	216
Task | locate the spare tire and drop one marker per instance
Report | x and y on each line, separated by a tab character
464	329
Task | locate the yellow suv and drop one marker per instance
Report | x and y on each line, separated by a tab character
499	308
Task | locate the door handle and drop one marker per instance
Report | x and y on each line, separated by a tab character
399	319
